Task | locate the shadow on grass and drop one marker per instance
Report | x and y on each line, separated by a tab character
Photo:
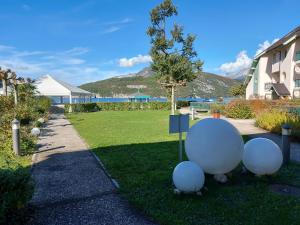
144	172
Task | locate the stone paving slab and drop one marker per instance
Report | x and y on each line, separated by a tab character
71	187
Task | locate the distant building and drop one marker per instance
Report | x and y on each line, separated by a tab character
275	72
139	97
54	88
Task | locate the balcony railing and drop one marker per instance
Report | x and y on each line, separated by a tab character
276	67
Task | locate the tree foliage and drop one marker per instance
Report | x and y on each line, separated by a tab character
238	90
174	58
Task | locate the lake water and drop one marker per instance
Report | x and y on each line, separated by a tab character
56	100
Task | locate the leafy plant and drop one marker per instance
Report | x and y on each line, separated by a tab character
239	109
274	119
173	55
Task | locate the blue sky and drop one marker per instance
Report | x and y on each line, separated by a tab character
83	41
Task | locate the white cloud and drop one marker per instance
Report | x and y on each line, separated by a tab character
129	62
68	65
241	63
118	22
111	29
263	46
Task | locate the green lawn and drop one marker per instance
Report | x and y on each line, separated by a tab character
138	151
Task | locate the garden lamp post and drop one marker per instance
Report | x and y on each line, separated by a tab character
16	136
286	145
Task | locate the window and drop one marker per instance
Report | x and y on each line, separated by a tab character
298	56
297	83
284	54
268	86
284	75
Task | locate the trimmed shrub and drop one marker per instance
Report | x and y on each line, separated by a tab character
181	104
274	119
117	106
239	109
82	107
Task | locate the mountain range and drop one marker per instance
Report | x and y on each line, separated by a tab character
206	85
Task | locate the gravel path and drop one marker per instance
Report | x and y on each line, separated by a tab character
71	187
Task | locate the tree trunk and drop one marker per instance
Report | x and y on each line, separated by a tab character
4	87
173	100
16	94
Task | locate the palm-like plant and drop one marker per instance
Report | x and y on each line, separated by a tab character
5	76
15	81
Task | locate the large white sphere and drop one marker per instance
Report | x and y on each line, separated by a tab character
215	145
262	156
35	131
188	177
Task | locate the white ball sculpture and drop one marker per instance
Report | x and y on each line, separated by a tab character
262	156
188	177
215	145
35	131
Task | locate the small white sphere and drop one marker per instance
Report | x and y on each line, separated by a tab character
215	145
262	156
41	120
188	177
35	131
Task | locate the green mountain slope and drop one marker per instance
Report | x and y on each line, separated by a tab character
206	85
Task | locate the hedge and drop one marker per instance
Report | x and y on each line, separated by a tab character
81	107
16	189
117	106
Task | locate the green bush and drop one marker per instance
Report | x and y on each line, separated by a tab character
16	190
274	119
43	104
82	107
117	106
181	104
239	109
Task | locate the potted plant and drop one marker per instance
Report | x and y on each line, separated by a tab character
216	113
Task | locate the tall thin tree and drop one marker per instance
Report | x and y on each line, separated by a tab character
174	59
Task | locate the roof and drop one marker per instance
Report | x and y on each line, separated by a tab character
70	87
280	89
50	86
283	41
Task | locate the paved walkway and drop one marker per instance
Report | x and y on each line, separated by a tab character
247	127
71	187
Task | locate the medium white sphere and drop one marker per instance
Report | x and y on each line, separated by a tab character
35	131
188	177
262	156
215	145
41	120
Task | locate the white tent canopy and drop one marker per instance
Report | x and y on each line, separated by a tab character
51	87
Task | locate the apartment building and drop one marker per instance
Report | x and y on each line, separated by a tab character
275	72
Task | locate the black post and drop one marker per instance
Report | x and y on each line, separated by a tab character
285	144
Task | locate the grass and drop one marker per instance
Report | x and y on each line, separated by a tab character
138	151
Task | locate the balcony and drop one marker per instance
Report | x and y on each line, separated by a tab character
276	67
